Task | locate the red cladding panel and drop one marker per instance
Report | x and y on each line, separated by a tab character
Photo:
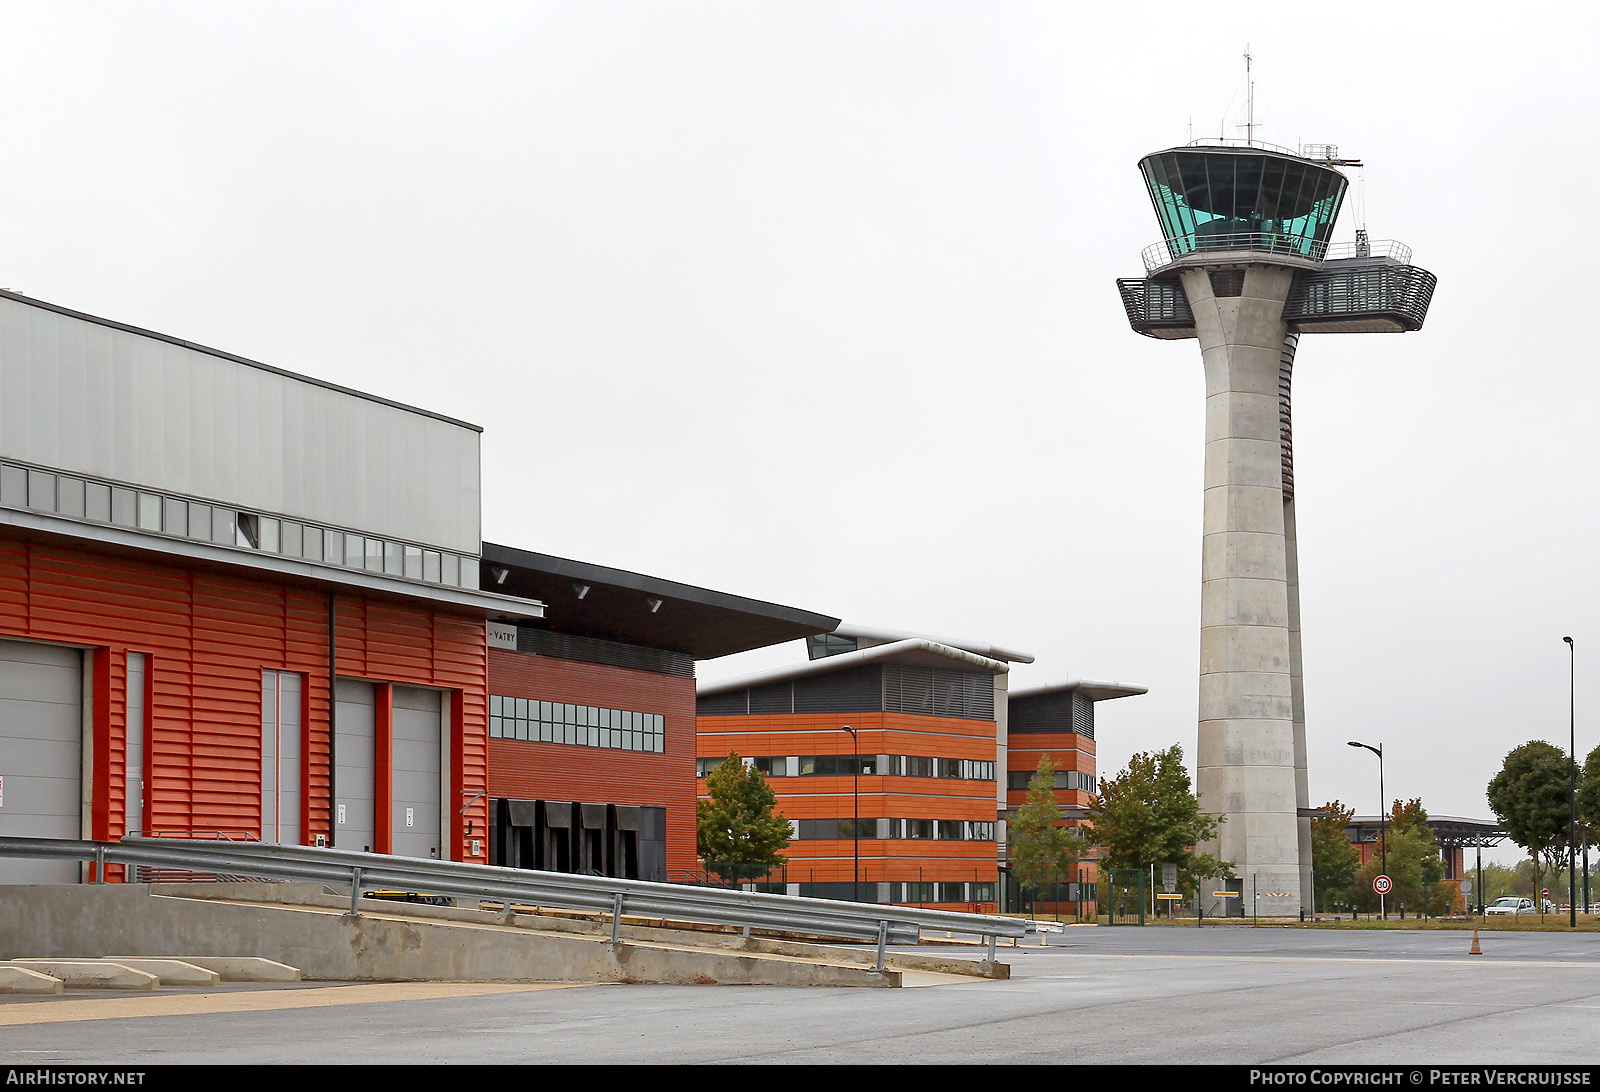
208	636
521	769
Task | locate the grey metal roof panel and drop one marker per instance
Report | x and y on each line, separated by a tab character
978	648
1093	689
916	651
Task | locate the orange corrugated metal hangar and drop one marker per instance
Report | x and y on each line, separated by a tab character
240	603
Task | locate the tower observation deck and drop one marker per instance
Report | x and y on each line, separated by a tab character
1245	266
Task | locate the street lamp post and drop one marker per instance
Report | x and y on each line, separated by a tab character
855	829
1572	789
1383	815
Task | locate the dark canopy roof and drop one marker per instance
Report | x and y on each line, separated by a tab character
1451	831
695	621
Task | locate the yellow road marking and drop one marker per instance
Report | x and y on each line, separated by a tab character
195	1004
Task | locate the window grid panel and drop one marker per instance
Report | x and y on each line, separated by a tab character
539	721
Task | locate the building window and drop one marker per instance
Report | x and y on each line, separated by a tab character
944	830
41	491
13	486
97	502
822	645
578	725
1018	780
963	769
149	512
72	498
175	517
200	521
248	531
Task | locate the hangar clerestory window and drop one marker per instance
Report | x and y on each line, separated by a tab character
38	489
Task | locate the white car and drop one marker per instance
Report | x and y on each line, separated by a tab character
1510	904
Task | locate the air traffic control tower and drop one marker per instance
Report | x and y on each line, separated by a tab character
1245	266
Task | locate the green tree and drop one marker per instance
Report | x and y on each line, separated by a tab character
1042	850
1529	797
1334	858
1588	812
740	834
1499	879
1589	799
1148	815
1415	867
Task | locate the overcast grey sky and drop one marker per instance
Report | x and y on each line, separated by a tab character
814	302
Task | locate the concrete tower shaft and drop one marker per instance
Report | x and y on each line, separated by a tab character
1249	749
1246	266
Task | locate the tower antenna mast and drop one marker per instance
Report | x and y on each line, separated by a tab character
1249	100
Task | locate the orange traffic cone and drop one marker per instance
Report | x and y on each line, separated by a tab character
1475	950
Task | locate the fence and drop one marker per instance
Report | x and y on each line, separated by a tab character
360	872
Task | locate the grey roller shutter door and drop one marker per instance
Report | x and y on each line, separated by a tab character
41	754
354	762
418	716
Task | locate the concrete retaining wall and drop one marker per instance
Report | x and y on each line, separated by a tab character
326	944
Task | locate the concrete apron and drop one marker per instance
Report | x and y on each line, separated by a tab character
381	944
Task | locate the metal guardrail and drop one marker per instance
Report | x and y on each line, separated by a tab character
1160	255
1255	144
491	883
1386	249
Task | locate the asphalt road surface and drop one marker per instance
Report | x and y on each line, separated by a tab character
1094	995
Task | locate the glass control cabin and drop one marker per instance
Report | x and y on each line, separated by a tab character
1247	198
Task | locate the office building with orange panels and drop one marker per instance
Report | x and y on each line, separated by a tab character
915	742
882	732
241	603
1057	721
